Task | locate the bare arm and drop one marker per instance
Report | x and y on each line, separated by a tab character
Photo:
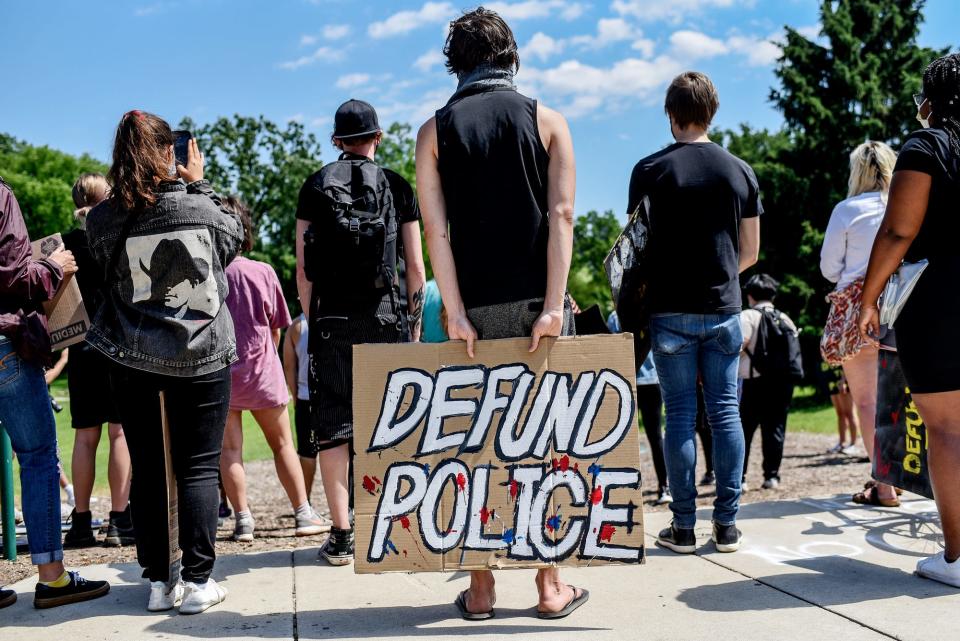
416	276
906	209
434	211
749	242
290	364
304	286
276	338
51	374
561	189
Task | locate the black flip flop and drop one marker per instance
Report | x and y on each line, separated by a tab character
575	603
461	604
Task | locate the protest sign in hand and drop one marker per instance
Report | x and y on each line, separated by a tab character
67	319
510	459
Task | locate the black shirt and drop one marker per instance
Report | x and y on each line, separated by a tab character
928	151
699	193
493	170
90	275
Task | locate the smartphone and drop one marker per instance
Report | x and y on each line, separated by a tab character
181	140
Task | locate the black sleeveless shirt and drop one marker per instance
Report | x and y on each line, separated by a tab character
493	168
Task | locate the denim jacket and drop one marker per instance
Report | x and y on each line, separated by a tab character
163	311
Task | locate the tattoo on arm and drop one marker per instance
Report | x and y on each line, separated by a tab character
416	311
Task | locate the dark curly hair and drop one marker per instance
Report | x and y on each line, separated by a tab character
941	86
480	37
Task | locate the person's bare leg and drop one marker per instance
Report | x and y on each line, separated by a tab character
84	466
554	594
941	415
50	571
275	423
118	468
231	463
853	420
482	594
335	473
309	468
861	372
841	420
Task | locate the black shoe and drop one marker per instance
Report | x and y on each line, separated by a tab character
80	534
338	548
7	598
120	530
680	540
726	537
79	589
709	478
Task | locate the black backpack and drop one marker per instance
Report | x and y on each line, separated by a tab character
354	249
777	350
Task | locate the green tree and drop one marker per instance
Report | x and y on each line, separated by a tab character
593	236
42	179
266	165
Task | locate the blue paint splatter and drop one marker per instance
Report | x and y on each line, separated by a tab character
508	536
554	522
392	547
426	469
594	469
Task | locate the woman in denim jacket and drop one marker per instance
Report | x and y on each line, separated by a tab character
164	240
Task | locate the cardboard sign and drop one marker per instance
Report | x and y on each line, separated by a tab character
901	439
173	506
66	316
510	459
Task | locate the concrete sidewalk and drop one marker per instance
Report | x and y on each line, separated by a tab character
811	569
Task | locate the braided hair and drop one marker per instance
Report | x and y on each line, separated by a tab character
941	86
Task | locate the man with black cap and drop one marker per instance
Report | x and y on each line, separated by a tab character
353	218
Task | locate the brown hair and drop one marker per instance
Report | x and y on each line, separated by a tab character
234	204
480	37
692	99
89	191
141	160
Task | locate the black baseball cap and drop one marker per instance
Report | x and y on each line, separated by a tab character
355	118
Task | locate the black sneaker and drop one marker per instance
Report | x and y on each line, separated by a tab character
80	534
79	589
726	537
7	598
120	530
680	540
709	478
338	548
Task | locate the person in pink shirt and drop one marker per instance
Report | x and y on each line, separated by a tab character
259	313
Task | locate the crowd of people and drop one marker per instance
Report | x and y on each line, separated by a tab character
186	328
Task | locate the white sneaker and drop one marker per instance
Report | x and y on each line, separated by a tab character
771	484
197	598
164	596
936	567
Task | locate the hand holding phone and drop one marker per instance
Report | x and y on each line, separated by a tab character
190	169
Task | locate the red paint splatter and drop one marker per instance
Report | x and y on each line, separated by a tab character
894	416
368	485
597	495
513	488
404	553
461	481
378	481
484	515
555	463
576	467
564	463
607	531
405	522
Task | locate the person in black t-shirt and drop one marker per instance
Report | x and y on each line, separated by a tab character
703	204
340	317
922	222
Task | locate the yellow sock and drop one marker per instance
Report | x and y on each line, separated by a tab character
62	582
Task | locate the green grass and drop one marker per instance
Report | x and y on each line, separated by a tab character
808	415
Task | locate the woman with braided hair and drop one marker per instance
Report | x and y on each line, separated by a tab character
922	221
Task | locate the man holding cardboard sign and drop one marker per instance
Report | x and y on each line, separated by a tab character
498	169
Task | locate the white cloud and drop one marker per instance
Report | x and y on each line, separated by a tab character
645	46
810	32
352	80
693	45
297	117
306	41
573	10
321	121
336	31
670	10
759	52
429	60
323	54
528	9
406	21
542	47
609	31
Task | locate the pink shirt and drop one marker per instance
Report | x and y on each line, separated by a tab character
257	306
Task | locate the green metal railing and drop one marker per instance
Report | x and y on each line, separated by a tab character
7	518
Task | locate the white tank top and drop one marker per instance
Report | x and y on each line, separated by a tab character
303	361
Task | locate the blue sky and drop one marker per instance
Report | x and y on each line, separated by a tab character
72	68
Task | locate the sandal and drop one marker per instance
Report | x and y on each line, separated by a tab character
871	484
461	604
869	497
575	603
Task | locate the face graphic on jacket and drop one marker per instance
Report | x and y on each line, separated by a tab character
171	273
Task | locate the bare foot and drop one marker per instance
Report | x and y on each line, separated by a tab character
556	597
480	600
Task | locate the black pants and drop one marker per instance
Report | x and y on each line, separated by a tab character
197	413
650	403
766	403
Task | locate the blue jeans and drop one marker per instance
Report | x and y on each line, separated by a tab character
685	345
26	415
